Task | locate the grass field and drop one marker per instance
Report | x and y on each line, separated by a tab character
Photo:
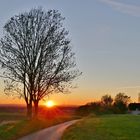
108	127
22	126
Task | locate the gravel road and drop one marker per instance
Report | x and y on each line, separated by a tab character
51	133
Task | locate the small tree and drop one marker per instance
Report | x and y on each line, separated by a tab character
37	53
107	100
121	101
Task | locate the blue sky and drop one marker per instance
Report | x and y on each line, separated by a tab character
105	35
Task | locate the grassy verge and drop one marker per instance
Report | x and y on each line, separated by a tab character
109	127
13	131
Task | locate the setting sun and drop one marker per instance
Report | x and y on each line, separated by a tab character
50	103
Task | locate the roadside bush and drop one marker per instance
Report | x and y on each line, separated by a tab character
93	107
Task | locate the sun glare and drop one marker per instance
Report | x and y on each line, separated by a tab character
50	103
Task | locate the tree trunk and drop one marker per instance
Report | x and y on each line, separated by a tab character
36	108
29	110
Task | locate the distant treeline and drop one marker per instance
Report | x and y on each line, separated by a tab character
108	105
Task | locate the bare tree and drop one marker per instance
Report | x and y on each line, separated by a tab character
36	53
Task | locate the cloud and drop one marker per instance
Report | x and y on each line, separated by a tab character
132	10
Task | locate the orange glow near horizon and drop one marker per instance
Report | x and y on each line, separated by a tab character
75	98
50	103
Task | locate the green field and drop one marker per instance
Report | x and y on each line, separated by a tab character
107	127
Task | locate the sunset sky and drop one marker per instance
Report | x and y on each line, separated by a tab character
105	35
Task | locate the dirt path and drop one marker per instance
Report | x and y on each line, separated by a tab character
51	133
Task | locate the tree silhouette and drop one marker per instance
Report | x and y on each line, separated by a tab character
121	101
107	100
36	53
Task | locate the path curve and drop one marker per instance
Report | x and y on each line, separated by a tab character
50	133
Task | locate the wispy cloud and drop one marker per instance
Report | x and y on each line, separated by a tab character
130	9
